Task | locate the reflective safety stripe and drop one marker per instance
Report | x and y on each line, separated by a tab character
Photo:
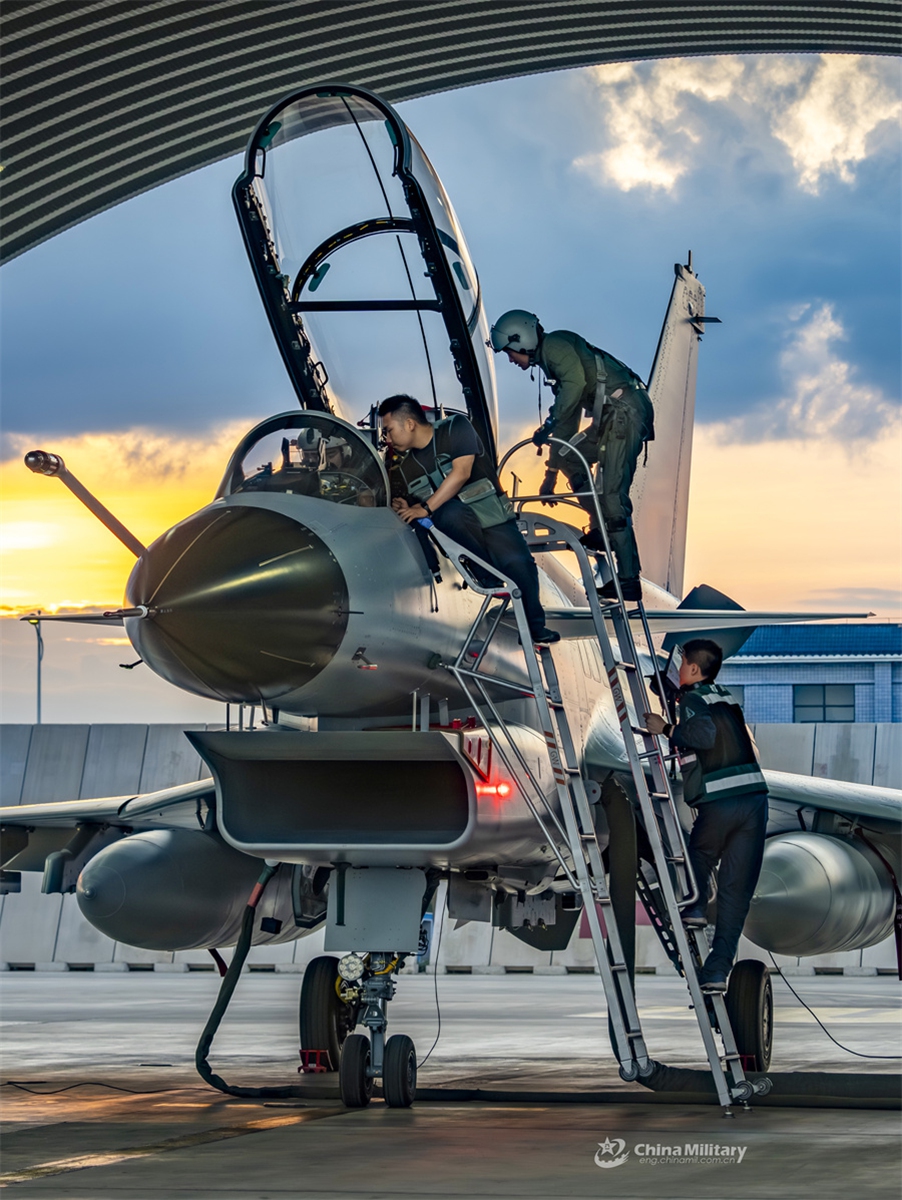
720	696
732	781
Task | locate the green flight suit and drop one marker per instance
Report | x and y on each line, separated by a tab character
614	439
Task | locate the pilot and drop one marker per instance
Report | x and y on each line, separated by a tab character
723	782
338	483
586	379
442	472
311	446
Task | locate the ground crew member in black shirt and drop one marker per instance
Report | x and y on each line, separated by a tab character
442	472
588	380
723	782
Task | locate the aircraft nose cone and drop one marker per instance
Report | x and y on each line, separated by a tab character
247	604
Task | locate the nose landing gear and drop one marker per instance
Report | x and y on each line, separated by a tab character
364	1059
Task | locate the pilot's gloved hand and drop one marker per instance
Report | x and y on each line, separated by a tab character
543	433
547	487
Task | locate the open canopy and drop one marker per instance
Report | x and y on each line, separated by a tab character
361	264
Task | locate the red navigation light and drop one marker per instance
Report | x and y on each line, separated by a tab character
502	790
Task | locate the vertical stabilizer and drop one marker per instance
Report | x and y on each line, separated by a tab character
661	489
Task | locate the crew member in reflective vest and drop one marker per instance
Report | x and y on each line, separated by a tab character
591	381
723	782
443	473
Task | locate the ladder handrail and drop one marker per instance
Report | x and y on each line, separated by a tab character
658	808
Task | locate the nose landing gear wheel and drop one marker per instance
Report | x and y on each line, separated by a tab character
399	1072
750	1007
325	1019
354	1082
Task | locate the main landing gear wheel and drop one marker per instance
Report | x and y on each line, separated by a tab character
750	1007
399	1072
354	1081
325	1019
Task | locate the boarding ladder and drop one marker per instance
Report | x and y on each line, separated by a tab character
574	842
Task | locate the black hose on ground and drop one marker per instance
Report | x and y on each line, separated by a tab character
226	989
675	1085
802	1089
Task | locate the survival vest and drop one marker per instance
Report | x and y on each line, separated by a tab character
483	494
730	767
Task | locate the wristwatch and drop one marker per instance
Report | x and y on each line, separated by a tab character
427	508
668	731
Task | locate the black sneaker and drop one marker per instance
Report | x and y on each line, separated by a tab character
694	920
713	984
545	637
631	589
593	540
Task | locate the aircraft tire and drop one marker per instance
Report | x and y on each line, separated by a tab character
399	1072
325	1019
750	1007
354	1084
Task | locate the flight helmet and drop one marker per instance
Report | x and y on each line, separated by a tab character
516	330
338	452
312	446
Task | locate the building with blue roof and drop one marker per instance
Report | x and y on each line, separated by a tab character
819	674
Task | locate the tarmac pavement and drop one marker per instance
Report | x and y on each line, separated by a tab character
180	1139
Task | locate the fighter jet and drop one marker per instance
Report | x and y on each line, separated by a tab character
370	776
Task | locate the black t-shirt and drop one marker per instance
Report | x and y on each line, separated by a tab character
452	438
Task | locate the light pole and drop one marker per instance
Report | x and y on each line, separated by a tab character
36	622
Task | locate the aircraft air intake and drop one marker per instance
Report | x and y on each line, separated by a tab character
315	797
246	604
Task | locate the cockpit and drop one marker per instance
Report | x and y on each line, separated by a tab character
308	454
362	268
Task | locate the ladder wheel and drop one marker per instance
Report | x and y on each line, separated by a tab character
399	1072
750	1007
742	1091
325	1020
354	1081
763	1087
631	1073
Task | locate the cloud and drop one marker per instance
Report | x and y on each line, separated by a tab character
797	525
26	535
877	599
823	399
149	480
661	118
827	127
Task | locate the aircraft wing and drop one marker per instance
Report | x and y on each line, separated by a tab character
112	810
862	800
577	622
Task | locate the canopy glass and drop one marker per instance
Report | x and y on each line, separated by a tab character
308	454
361	262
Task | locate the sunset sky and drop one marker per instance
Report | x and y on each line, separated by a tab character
135	344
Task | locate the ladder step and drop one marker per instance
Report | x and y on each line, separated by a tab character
676	858
625	666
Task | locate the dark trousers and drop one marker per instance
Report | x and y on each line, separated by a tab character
617	452
730	831
503	546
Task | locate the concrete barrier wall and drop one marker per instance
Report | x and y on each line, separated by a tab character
43	763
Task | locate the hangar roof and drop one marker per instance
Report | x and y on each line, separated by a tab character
104	99
853	641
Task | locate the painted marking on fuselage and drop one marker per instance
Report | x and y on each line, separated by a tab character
284	658
287	554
